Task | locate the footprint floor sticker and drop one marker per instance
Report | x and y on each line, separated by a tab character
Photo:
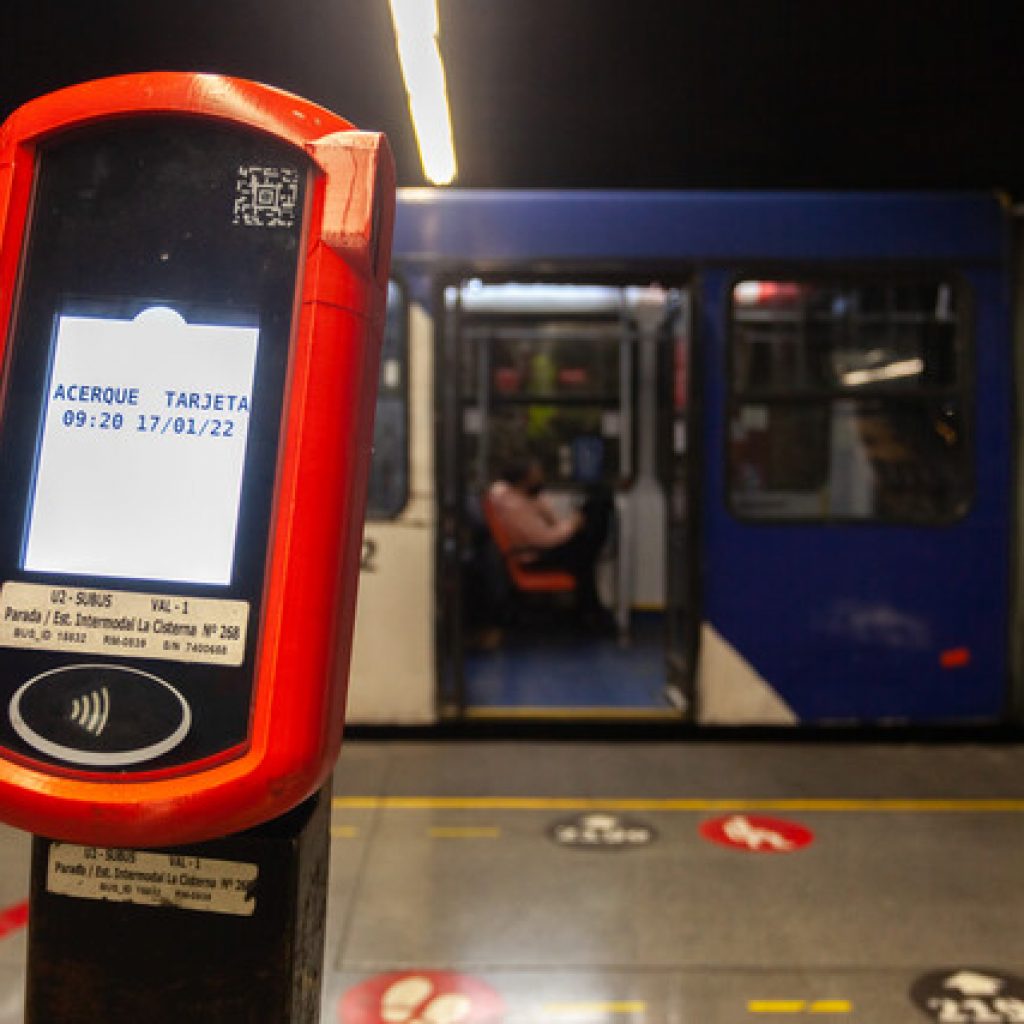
421	997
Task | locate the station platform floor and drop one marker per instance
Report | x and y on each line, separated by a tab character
670	882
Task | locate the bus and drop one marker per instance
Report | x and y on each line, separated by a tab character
804	406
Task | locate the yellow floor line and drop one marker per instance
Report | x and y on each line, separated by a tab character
792	1006
807	805
344	832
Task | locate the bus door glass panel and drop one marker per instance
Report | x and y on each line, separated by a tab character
451	545
674	472
389	469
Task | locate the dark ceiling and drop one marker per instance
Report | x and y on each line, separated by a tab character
605	93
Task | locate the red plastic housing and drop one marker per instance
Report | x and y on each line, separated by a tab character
305	632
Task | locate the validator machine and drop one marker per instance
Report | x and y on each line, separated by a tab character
193	274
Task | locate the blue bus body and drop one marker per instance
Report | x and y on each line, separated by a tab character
867	621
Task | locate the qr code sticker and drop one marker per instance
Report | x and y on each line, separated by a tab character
266	197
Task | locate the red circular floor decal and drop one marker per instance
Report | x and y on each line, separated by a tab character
421	997
757	834
13	918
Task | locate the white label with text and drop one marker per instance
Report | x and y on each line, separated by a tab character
152	879
34	616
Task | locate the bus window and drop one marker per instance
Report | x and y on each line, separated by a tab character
547	367
389	470
848	402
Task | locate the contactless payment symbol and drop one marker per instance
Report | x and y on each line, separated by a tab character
757	834
100	715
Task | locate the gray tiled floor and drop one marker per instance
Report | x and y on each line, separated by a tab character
681	930
450	866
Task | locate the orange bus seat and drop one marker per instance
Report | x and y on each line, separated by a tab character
541	581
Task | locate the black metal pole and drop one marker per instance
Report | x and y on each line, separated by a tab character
229	931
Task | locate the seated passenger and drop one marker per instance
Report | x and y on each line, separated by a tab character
541	539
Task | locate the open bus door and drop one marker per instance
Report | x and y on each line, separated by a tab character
571	374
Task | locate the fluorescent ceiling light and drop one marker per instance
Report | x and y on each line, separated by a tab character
514	297
891	371
416	27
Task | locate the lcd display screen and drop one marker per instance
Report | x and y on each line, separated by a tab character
142	448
